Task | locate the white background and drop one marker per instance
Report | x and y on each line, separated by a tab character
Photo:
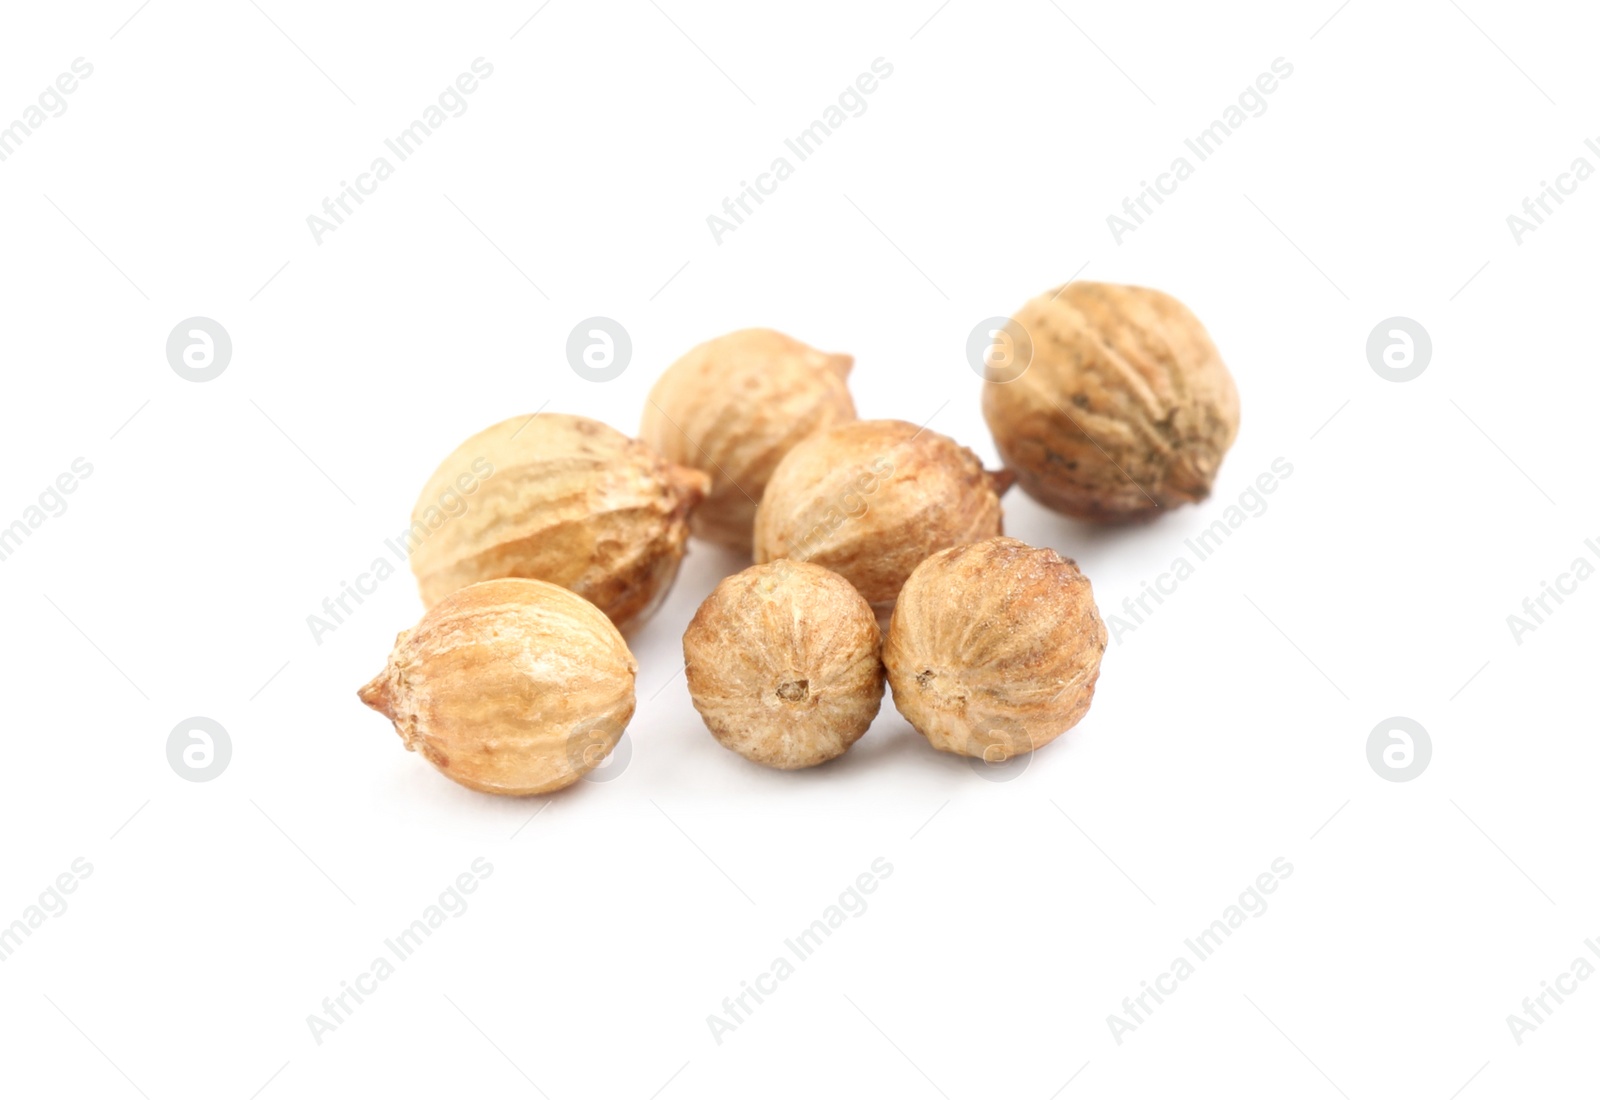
1228	730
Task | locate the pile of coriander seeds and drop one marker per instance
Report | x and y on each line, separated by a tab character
878	548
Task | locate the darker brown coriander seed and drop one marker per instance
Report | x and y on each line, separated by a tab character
1125	409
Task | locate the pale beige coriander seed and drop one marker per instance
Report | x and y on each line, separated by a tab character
871	499
994	648
565	499
783	664
732	408
509	686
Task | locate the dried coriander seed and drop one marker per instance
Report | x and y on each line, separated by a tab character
568	500
783	666
871	499
994	648
732	408
1125	409
509	686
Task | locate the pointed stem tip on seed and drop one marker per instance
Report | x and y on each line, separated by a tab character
377	694
1000	481
840	364
688	484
